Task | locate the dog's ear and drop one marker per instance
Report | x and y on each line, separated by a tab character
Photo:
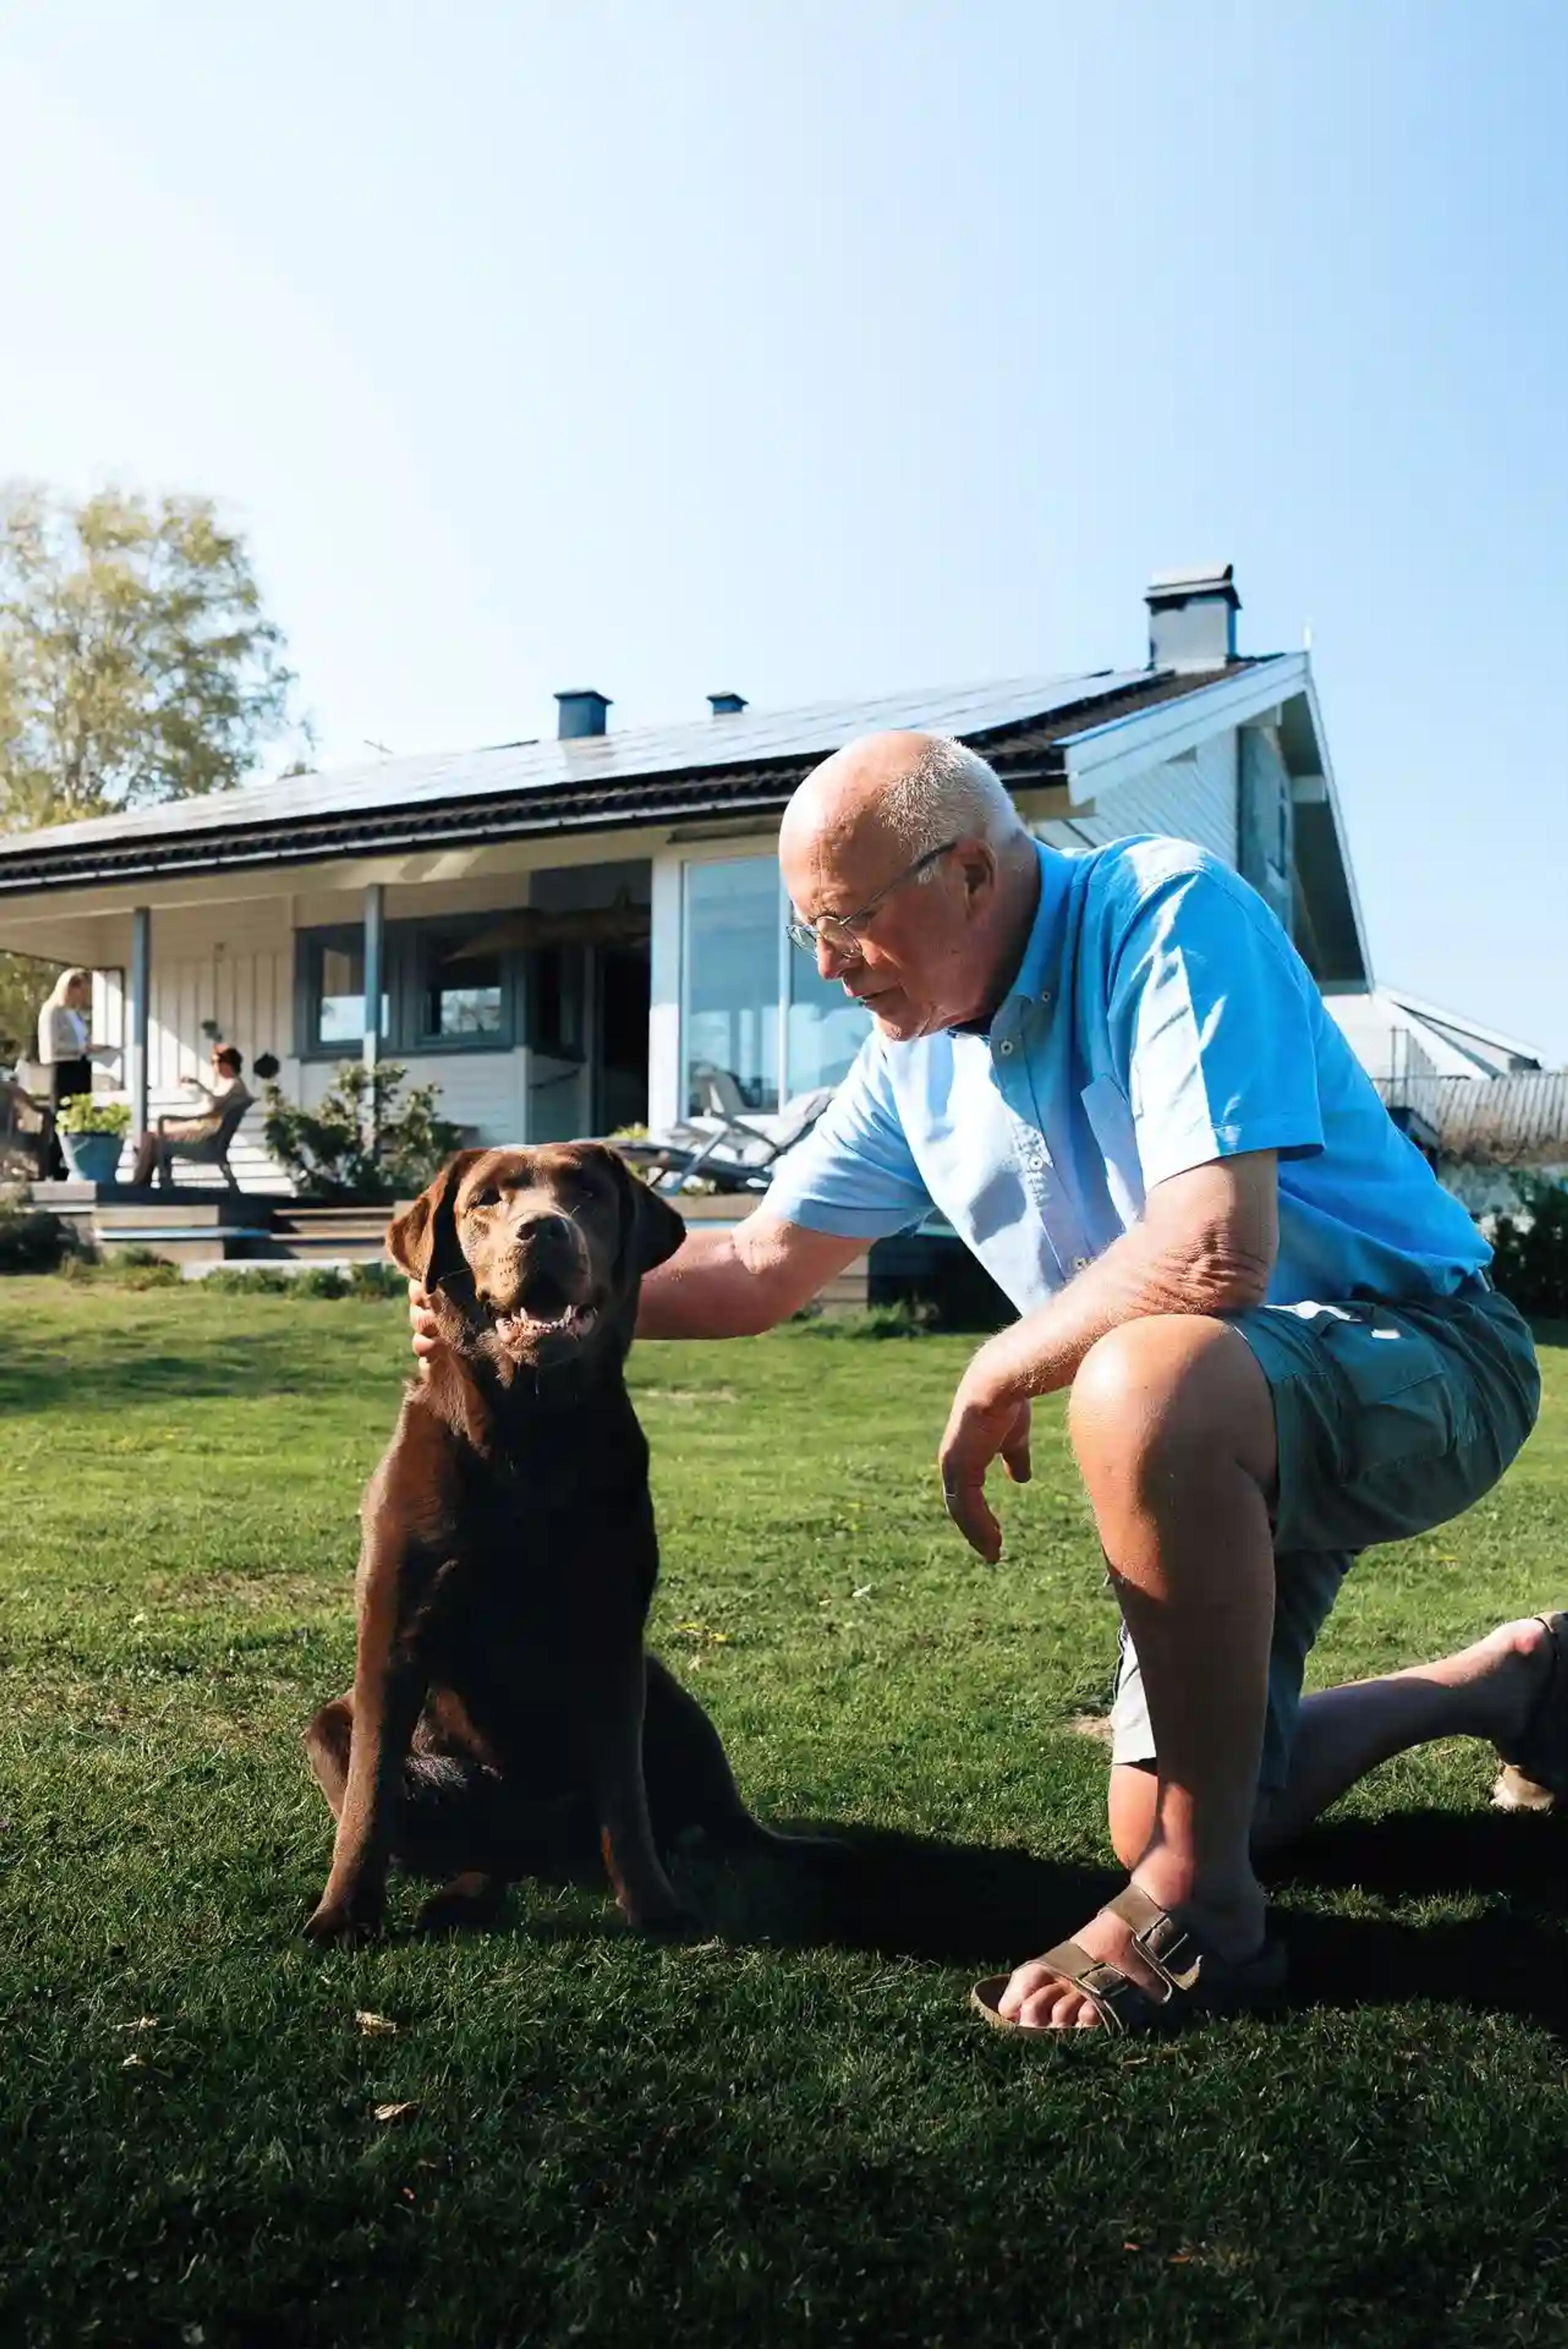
654	1230
423	1241
651	1231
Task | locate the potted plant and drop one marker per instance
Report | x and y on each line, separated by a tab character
92	1134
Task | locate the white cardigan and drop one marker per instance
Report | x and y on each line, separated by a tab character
63	1035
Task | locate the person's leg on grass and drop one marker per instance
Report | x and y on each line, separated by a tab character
1488	1690
1172	1424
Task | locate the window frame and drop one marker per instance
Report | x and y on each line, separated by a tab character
731	853
402	1037
406	987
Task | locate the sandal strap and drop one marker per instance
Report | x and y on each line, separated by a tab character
1163	1944
1122	2004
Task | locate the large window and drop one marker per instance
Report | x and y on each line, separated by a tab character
731	957
749	995
825	1028
445	988
334	987
460	988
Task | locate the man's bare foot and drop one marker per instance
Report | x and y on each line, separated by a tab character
1040	2000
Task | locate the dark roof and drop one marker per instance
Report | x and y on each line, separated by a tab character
739	764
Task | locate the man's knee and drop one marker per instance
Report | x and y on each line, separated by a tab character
1166	1390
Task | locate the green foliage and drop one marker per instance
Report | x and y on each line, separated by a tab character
911	1320
136	662
324	1149
91	1114
1530	1264
24	981
31	1241
369	1283
791	2132
140	1268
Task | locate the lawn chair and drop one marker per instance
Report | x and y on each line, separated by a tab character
27	1131
211	1150
728	1148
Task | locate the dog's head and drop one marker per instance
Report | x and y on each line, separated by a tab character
535	1256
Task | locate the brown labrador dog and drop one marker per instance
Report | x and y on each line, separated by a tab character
508	1562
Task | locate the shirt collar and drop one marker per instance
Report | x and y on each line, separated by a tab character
1034	981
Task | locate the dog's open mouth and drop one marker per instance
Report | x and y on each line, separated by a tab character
521	1331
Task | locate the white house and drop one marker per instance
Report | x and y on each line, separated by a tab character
561	933
1400	1038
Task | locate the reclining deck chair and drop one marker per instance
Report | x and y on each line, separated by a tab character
728	1147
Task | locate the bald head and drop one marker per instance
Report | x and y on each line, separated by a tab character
901	791
916	936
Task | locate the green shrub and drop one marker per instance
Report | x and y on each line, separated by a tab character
366	1282
90	1113
905	1320
320	1281
141	1267
1530	1264
325	1151
248	1280
377	1280
31	1241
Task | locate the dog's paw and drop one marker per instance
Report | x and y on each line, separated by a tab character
465	1906
664	1924
338	1924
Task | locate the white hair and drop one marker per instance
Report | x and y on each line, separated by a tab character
948	793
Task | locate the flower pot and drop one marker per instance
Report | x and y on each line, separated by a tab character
93	1157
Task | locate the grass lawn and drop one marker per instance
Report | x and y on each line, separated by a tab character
794	2132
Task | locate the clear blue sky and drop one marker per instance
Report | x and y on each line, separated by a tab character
805	349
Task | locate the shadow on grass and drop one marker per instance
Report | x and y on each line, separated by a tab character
260	1362
983	1909
968	1905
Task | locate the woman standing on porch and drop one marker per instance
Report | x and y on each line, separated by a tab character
64	1046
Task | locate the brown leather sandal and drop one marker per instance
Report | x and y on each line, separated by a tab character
1196	1982
1534	1776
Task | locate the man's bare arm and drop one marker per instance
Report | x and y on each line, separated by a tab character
735	1283
719	1283
1206	1244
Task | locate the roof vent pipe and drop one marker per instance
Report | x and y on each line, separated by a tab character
1193	618
726	705
580	714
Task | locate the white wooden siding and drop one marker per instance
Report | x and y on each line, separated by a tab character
1191	798
484	1091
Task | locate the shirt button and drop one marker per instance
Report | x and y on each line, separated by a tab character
1080	1264
1005	1049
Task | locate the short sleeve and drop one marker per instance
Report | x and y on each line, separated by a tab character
853	1173
1213	1026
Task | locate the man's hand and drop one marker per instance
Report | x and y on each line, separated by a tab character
981	1425
422	1319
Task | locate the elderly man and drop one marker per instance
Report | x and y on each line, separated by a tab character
1115	1077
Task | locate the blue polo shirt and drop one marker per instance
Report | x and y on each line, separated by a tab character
1160	1019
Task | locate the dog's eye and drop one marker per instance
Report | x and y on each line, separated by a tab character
489	1198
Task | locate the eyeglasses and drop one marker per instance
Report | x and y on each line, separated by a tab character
838	932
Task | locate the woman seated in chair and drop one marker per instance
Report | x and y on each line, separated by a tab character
228	1098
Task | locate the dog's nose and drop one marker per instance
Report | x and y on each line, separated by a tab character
551	1239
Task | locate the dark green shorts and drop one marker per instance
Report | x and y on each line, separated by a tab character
1390	1419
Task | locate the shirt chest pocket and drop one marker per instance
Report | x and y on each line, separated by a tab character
1110	1122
